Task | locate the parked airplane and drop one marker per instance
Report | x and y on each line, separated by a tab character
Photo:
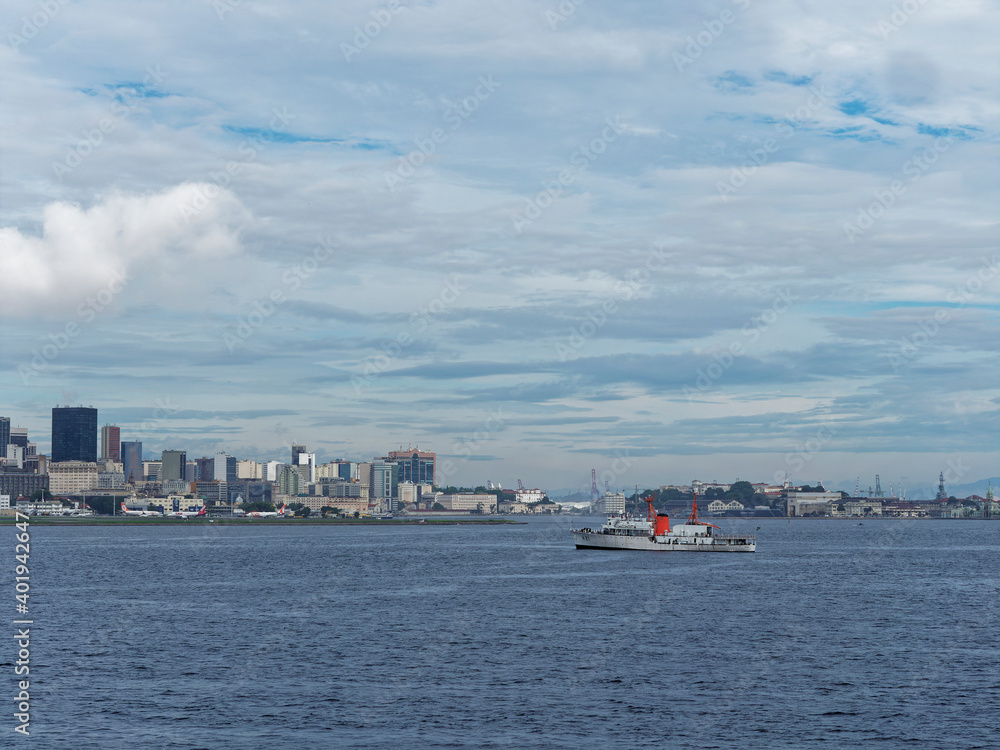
202	511
267	513
128	512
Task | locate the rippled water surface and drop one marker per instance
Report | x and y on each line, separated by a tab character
831	635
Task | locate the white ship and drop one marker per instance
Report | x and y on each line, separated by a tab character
654	533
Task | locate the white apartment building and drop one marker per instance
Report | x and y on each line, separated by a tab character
68	477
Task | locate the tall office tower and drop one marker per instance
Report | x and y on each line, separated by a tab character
224	468
296	450
4	435
384	478
132	460
18	436
307	467
74	434
415	466
111	446
172	465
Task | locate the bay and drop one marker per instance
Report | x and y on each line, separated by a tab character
833	633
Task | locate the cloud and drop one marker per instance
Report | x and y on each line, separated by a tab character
82	252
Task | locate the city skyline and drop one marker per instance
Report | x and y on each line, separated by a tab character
674	237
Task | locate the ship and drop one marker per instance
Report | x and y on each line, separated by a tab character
653	533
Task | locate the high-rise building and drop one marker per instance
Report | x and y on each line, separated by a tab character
306	464
415	466
19	436
131	451
74	434
384	479
4	434
224	469
172	465
111	442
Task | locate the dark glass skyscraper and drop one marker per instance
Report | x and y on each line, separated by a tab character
4	435
74	433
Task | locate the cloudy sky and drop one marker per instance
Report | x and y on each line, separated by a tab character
665	241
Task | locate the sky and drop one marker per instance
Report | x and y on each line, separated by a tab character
663	241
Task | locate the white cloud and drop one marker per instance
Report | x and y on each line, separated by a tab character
81	250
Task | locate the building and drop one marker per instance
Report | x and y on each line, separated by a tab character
71	477
529	496
22	483
74	434
204	469
247	470
131	452
414	465
151	470
812	503
224	468
611	503
4	434
722	506
701	488
383	480
306	465
469	501
407	494
289	480
173	465
212	492
270	470
111	448
110	480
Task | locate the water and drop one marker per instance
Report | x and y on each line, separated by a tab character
831	635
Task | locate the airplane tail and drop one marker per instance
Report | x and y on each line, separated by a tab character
203	511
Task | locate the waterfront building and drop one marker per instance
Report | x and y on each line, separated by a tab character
811	503
721	506
70	477
131	453
173	465
17	483
415	466
111	443
74	434
469	501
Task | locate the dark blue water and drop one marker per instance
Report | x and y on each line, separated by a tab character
831	635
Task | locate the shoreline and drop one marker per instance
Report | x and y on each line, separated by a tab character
225	520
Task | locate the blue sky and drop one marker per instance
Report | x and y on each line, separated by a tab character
718	239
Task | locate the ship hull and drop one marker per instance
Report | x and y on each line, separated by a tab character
597	540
